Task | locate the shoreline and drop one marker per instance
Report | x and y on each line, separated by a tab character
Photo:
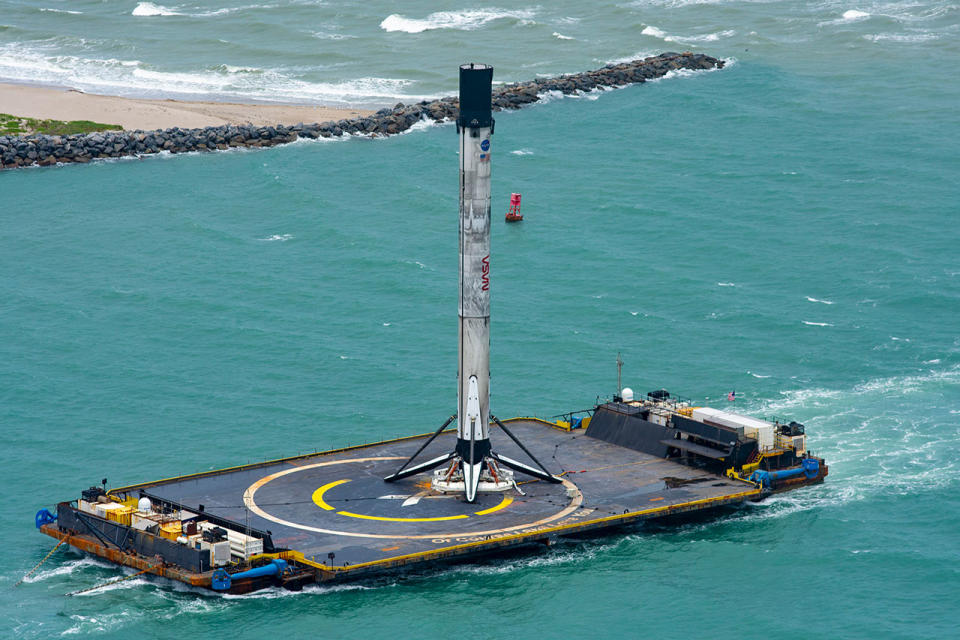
145	114
46	150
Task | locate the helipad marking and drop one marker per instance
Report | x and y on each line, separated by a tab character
318	494
507	500
320	502
248	499
385	519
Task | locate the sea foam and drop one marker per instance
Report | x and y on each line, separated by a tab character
653	31
35	63
854	14
656	32
145	9
902	37
464	20
148	9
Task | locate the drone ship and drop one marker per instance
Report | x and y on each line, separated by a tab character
481	486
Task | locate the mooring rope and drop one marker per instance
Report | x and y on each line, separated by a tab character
45	558
111	582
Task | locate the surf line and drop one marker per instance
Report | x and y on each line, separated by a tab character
45	150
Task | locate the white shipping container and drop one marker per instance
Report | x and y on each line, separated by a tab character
86	507
101	508
241	544
220	553
800	444
245	546
759	430
143	521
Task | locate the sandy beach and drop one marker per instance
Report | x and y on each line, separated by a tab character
139	113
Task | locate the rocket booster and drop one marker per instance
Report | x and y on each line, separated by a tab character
475	126
473	465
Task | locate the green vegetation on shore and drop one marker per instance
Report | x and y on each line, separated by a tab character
17	126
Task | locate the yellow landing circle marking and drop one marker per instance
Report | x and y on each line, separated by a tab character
385	519
249	500
318	494
323	504
507	500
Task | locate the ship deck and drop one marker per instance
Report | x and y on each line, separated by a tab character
335	509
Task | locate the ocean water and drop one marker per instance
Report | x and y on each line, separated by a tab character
786	227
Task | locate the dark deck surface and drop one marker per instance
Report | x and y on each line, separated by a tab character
338	502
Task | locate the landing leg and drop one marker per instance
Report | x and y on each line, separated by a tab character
426	465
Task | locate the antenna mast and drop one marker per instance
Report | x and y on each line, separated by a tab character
619	369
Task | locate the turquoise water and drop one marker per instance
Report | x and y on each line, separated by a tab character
784	227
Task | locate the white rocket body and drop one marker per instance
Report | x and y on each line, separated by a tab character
473	371
473	465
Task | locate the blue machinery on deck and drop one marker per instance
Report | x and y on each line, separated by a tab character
44	517
223	580
810	467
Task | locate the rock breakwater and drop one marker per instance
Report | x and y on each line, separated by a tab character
46	150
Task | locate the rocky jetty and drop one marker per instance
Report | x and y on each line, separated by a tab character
43	150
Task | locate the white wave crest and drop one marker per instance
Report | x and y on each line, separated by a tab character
640	55
277	238
96	624
229	68
849	16
820	301
76	13
420	125
554	558
66	569
465	20
818	398
521	152
876	438
272	593
726	284
146	9
710	37
902	37
326	35
43	64
655	32
853	15
685	73
115	584
817	324
673	4
560	36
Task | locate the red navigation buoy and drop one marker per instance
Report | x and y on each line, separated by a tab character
513	214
